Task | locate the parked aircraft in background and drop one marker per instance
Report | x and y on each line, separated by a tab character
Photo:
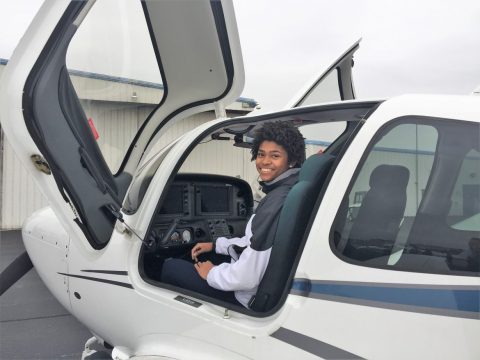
377	253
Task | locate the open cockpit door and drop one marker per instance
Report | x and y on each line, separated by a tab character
334	84
197	52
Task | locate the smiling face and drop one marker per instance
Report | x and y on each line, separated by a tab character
271	160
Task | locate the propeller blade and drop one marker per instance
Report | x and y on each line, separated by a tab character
19	267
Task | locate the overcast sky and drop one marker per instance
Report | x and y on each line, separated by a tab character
408	46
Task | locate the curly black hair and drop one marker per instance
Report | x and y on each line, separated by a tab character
285	134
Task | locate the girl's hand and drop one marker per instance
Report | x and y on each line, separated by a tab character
203	268
201	248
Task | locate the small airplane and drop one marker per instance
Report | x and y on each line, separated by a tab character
377	251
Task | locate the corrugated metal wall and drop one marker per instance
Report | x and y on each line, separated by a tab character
117	108
20	195
116	124
117	127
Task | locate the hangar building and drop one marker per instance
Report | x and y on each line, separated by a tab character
116	107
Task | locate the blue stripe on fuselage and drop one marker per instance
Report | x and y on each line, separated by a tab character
439	298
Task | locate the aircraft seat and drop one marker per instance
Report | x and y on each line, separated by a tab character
294	218
380	214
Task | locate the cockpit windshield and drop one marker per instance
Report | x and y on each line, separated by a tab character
143	177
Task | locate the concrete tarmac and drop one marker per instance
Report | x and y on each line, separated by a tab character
33	324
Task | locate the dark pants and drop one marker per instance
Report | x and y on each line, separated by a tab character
182	273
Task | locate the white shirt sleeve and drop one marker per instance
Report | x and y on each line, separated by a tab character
244	274
222	243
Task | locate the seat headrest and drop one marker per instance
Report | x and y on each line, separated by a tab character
389	176
314	166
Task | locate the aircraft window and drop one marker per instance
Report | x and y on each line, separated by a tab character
114	71
414	203
142	179
319	136
465	210
327	90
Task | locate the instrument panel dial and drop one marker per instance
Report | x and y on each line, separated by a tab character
186	236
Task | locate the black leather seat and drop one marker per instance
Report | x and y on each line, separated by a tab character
294	218
377	224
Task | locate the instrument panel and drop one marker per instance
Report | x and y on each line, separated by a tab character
200	208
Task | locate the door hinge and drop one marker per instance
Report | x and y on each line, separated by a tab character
124	228
41	164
